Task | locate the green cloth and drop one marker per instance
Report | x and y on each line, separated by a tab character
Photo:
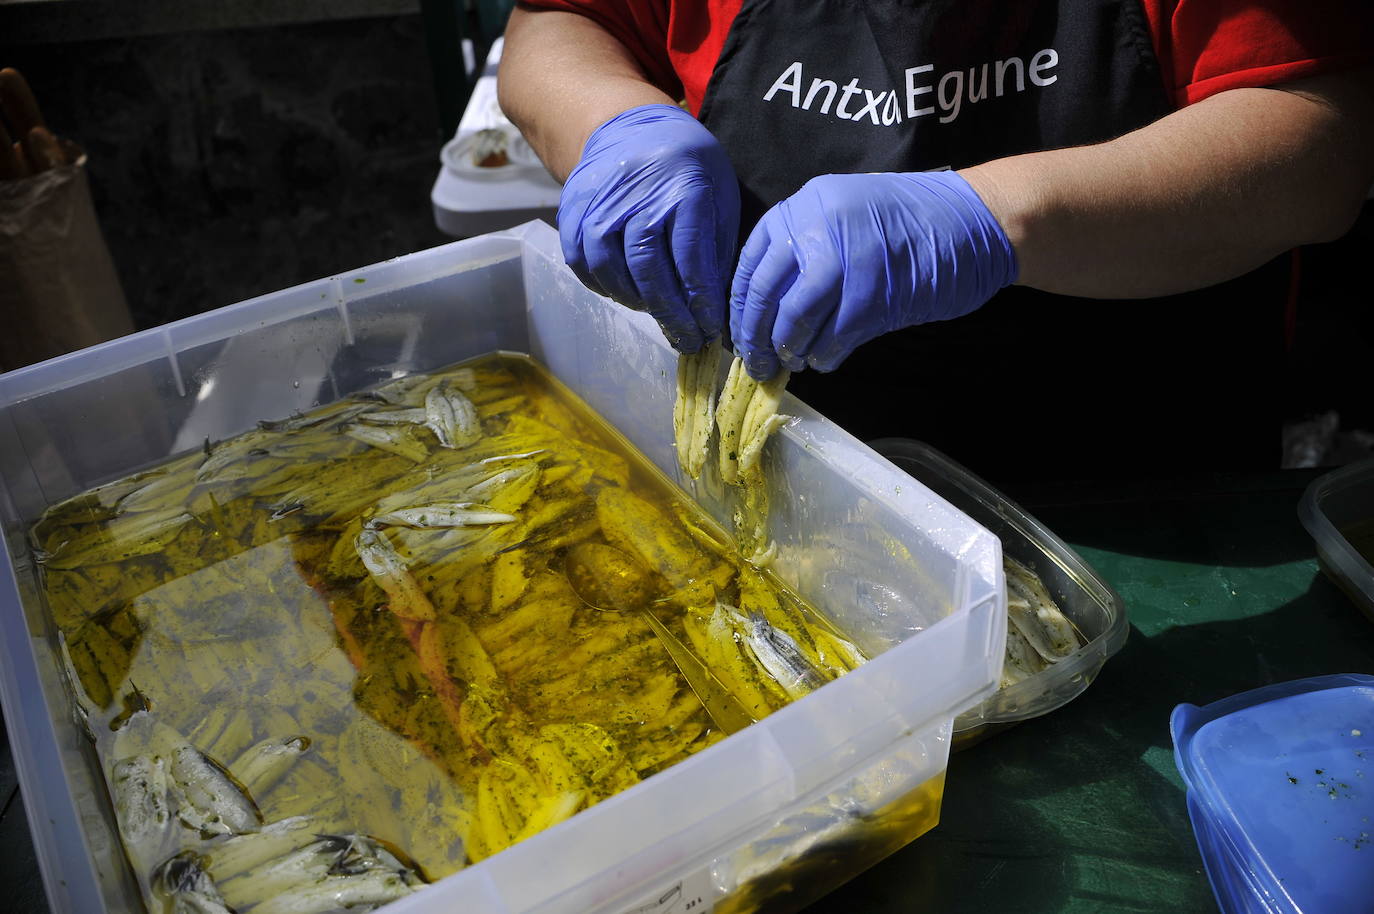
1082	810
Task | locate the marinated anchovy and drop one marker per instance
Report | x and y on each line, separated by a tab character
411	390
141	788
212	802
390	572
1035	614
183	882
452	417
332	872
746	419
780	656
124	537
510	488
400	441
241	853
411	416
441	514
263	765
695	407
311	419
1022	661
336	893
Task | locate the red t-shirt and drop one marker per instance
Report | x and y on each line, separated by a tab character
1203	46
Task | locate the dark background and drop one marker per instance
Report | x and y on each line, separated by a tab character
228	160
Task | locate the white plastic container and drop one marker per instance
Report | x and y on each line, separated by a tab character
833	777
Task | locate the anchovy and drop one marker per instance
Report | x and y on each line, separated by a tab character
452	417
263	765
389	570
500	457
285	509
1033	611
183	881
1021	660
393	441
441	514
779	655
125	536
513	486
695	406
241	853
331	872
298	421
140	785
411	416
336	893
214	804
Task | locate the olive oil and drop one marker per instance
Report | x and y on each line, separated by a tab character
359	620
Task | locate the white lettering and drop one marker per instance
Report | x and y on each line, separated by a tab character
892	112
816	86
1043	60
871	106
1003	66
913	90
789	81
950	103
850	88
947	94
976	95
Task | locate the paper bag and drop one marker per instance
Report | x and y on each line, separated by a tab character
58	288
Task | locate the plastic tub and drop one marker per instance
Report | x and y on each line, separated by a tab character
791	805
1091	604
1278	794
1336	509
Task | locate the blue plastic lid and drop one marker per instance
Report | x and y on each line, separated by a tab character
1281	794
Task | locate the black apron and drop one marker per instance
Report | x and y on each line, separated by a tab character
1030	386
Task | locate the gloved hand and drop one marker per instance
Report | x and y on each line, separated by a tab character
650	216
850	257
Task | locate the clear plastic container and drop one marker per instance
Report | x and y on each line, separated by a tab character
1279	797
789	806
1094	608
1337	509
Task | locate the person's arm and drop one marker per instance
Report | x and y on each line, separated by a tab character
1200	196
562	75
649	212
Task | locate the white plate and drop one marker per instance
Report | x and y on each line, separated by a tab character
458	156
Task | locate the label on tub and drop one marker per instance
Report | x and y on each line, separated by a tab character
690	895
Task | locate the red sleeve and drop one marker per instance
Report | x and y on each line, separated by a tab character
640	25
1209	46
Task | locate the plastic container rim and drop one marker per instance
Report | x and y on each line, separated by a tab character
1105	645
1328	538
1187	720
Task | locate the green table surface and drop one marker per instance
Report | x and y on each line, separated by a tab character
1082	810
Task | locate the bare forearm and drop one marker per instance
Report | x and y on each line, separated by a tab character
561	77
1198	197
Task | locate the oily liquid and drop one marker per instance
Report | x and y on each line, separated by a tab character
224	596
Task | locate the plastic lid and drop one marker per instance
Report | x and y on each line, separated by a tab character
1281	793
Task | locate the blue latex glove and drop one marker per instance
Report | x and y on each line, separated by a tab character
850	257
650	216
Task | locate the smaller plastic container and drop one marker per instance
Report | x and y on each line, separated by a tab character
1338	510
1281	794
1090	603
